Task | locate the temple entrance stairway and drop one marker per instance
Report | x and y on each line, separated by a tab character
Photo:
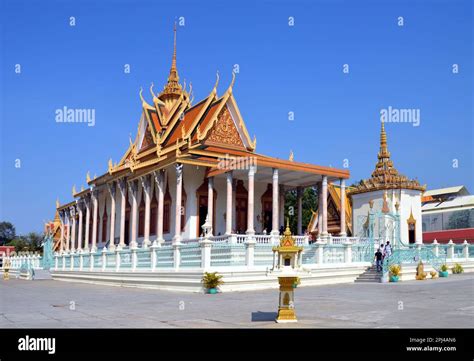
370	275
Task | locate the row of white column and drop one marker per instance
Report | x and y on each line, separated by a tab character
69	215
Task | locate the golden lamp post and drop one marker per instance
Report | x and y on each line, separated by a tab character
6	270
287	265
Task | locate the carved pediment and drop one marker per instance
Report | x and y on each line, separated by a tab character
224	130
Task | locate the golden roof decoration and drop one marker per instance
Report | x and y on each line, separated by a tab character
291	157
385	175
74	190
57	203
411	219
287	242
88	177
173	88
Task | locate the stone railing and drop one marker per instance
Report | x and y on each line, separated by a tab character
221	252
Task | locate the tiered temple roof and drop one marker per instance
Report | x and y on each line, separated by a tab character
385	175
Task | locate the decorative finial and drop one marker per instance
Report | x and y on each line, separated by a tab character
232	82
74	190
291	157
151	90
88	177
217	82
82	188
57	203
141	96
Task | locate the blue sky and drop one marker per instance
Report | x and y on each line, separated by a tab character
282	69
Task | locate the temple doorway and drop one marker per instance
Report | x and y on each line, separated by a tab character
267	209
241	203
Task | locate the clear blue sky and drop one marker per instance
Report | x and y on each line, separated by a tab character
282	69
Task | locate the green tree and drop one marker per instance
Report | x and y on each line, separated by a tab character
29	243
7	232
310	201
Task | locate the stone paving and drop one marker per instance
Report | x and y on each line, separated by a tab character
439	303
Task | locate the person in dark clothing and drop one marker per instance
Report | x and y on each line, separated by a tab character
378	260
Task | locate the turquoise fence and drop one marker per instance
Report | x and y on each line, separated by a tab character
111	260
309	254
333	253
190	255
224	254
263	255
143	258
164	257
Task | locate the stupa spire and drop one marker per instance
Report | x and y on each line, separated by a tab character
172	88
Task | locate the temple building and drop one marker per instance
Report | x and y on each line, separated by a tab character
387	204
190	163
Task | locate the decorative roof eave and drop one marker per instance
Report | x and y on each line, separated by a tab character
83	192
252	144
223	100
208	102
66	206
361	189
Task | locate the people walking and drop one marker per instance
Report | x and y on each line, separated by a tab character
388	249
378	259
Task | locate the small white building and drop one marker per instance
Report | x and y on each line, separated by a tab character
390	197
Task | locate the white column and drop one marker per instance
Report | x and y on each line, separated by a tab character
436	248
79	232
68	236
159	179
251	201
146	184
206	245
320	209
95	195
178	208
61	240
324	194
111	188
228	223
299	200
210	203
275	230
133	188
123	190
348	252
450	250
343	208
465	250
73	233
88	216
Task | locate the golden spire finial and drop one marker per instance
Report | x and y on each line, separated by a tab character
57	203
384	153
88	177
173	89
74	190
292	156
173	63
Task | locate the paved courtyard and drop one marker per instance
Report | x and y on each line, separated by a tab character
442	303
